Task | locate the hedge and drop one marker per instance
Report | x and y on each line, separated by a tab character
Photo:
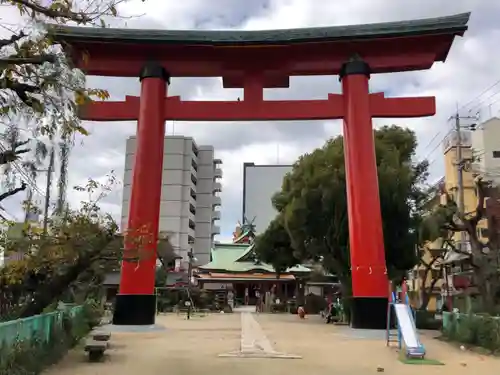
427	320
43	340
473	329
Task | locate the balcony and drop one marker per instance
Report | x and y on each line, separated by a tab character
194	165
195	150
194	172
215	215
217	187
216	201
217	173
192	224
217	161
215	229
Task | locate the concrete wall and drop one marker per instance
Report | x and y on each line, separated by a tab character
486	146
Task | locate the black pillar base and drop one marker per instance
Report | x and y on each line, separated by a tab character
369	313
135	309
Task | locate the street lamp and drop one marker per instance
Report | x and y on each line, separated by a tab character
190	272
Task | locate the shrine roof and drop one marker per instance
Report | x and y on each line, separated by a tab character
456	24
236	258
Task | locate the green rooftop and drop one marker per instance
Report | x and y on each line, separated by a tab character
456	24
240	258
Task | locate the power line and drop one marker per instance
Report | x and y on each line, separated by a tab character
478	96
26	178
496	83
478	105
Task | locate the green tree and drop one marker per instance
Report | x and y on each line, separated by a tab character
73	258
313	202
274	247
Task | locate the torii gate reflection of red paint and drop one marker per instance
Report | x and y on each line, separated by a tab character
255	67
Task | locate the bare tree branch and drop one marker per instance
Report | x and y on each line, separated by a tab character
53	12
21	89
14	38
480	211
36	60
12	192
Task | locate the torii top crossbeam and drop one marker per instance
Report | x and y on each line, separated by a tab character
386	47
255	60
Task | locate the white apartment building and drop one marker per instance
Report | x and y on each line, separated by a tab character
486	150
189	197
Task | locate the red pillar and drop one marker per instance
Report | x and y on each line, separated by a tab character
369	276
136	301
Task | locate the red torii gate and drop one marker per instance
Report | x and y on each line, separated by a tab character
254	60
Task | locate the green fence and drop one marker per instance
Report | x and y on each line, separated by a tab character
34	326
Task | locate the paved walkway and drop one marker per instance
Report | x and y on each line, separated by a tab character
194	347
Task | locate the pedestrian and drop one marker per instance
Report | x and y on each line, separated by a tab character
258	300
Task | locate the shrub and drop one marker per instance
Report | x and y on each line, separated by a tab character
427	320
476	330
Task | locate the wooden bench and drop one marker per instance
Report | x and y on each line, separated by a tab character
95	349
101	335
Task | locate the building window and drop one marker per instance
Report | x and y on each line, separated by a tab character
483	232
496	154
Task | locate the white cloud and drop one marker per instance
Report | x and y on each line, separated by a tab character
471	67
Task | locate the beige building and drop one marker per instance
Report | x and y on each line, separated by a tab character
448	183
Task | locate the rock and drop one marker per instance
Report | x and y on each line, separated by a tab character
380	369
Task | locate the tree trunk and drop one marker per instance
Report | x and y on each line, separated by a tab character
488	296
346	290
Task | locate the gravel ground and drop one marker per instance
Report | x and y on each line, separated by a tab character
192	347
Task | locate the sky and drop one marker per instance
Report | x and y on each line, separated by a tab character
471	68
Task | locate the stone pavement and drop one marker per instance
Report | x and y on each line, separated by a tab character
194	347
254	342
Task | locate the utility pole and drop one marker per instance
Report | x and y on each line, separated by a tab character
47	191
460	169
190	271
28	209
460	177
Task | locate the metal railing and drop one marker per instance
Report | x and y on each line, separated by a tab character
35	326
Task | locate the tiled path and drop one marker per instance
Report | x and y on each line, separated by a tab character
194	347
